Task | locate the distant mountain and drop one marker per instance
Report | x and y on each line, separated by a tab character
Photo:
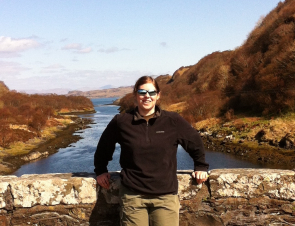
107	87
61	91
58	91
103	93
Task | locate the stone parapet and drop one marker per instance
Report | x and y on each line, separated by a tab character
229	197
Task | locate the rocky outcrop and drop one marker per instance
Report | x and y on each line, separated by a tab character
229	197
258	153
34	156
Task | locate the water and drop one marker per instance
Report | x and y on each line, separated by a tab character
78	157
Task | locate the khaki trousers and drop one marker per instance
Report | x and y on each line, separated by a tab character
148	210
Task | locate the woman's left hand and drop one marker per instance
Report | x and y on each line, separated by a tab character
201	176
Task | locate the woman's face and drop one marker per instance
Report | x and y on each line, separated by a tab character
146	103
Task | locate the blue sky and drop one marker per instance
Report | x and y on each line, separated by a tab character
88	44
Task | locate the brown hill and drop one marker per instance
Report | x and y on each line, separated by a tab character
104	93
3	88
257	78
262	71
24	116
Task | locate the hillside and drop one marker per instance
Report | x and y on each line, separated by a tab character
24	116
242	99
256	78
103	93
3	88
26	121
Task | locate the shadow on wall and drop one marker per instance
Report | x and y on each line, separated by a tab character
106	210
104	214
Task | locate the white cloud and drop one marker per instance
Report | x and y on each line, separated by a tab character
9	54
112	50
10	45
8	69
109	50
164	44
76	46
85	50
54	68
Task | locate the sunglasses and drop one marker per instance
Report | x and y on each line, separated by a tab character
142	92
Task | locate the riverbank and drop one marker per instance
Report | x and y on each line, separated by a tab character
52	138
266	141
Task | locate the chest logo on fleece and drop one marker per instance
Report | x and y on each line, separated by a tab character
160	131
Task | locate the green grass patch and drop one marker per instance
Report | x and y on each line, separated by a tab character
19	148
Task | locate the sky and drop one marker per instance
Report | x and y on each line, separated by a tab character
65	45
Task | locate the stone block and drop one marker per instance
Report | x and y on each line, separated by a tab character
31	190
250	183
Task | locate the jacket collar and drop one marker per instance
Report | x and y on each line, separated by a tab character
137	116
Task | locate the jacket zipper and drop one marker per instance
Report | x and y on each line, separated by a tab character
147	132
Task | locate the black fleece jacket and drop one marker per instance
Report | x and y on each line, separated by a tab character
148	150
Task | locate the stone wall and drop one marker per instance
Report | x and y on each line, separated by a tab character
229	197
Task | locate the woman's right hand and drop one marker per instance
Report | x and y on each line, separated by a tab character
103	180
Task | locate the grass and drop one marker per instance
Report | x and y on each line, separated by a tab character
246	129
49	133
18	148
178	107
65	121
21	148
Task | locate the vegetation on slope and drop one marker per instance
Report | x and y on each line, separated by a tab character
28	120
254	81
257	78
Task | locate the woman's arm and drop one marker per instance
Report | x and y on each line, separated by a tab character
191	141
106	147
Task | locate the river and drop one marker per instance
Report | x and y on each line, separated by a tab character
78	157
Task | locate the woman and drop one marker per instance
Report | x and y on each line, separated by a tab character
149	138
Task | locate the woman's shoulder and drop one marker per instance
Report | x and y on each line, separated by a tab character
171	114
124	116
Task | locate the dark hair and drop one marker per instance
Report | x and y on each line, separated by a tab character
143	80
